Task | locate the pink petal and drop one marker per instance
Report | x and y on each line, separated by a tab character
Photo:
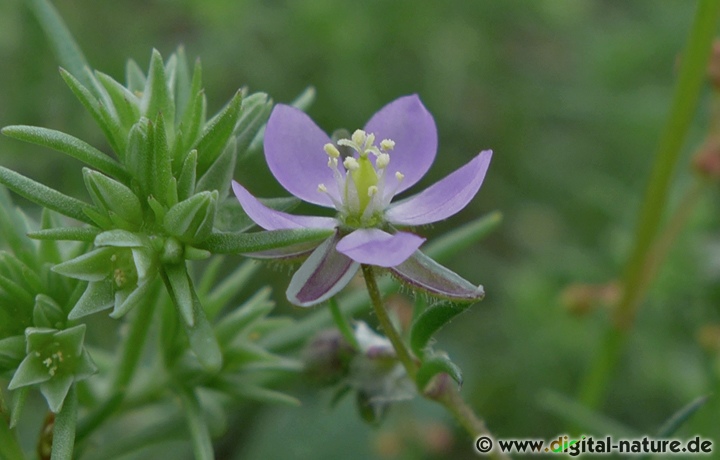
407	122
375	247
444	198
294	152
321	276
270	219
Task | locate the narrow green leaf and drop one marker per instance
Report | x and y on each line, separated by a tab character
99	219
139	155
230	287
573	412
194	116
49	250
217	133
110	126
64	429
680	417
13	227
201	335
199	433
430	321
126	104
220	173
243	391
66	50
157	97
18	294
245	243
120	239
181	293
305	99
161	169
186	181
183	83
233	324
256	110
134	78
69	145
433	366
112	196
192	220
92	266
44	195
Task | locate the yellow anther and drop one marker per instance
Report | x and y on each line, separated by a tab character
322	188
331	150
399	176
387	144
382	160
372	190
351	164
358	137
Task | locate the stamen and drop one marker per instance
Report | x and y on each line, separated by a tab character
372	190
351	164
331	150
382	161
358	137
387	144
322	188
399	176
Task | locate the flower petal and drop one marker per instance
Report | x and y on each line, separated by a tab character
321	276
421	272
294	152
407	122
444	198
270	219
373	246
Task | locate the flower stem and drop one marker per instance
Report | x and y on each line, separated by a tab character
447	394
342	324
386	324
635	277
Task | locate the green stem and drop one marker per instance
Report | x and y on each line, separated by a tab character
9	445
64	429
129	357
447	394
386	324
342	324
199	434
642	262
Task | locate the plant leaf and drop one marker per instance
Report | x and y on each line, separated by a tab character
217	133
44	195
66	234
182	295
69	145
430	321
434	365
245	243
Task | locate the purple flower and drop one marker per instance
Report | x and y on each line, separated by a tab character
393	151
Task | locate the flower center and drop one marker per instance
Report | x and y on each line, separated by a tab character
363	195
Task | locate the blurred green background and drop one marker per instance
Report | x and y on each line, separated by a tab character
570	94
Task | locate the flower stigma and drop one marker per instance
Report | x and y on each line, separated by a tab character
362	188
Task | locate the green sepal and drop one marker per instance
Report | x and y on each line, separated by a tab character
220	174
248	243
157	98
92	266
256	110
110	126
127	105
182	294
98	296
44	195
192	220
434	365
430	321
112	196
69	145
12	352
31	371
137	297
217	133
47	313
